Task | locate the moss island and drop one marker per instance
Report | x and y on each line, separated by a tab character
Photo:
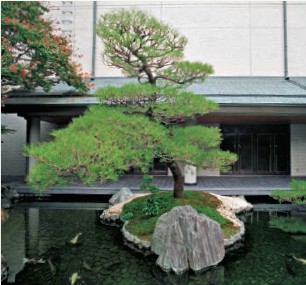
142	225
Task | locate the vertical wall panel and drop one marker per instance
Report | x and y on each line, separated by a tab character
298	150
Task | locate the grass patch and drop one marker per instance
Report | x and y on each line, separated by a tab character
204	203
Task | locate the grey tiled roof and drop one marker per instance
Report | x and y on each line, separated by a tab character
257	86
246	90
300	80
223	90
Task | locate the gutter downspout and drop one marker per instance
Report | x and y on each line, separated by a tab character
285	40
93	55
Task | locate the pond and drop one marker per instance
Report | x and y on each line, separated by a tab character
103	259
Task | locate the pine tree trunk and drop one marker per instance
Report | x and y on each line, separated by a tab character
178	188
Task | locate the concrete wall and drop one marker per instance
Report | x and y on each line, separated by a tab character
13	162
298	150
239	38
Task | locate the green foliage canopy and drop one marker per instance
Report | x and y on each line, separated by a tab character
32	53
197	145
145	48
168	105
100	145
105	142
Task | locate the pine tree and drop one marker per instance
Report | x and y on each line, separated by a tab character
136	123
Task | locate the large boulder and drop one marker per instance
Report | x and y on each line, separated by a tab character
184	239
121	196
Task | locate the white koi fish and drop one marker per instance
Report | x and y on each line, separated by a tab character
74	277
74	240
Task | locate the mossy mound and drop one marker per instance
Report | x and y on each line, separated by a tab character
142	225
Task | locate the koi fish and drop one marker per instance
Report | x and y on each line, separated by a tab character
300	260
74	277
74	240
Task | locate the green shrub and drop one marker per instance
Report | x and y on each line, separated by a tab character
147	184
126	217
151	204
296	195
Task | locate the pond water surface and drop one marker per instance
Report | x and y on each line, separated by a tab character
103	259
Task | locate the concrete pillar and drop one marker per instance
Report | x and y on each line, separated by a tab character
33	136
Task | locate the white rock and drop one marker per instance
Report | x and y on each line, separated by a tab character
237	204
121	196
184	239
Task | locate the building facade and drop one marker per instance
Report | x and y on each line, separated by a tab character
239	38
257	52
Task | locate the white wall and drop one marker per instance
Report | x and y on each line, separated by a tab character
239	38
296	38
298	149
